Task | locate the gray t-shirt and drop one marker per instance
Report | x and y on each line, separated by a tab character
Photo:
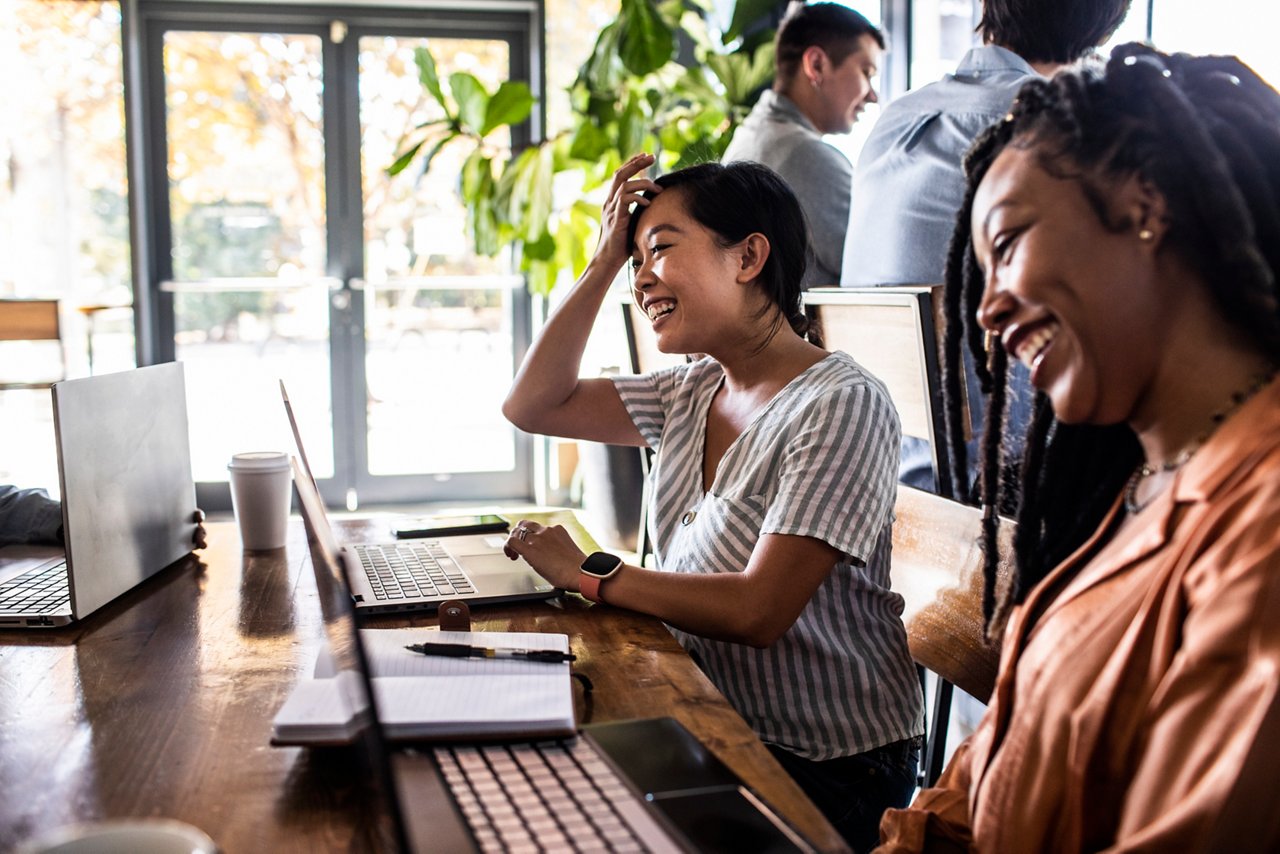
819	461
778	135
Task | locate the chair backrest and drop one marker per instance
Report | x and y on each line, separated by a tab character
937	568
642	344
893	333
31	320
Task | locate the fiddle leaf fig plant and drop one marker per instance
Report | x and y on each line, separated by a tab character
630	95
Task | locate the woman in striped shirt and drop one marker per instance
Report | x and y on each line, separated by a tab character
773	485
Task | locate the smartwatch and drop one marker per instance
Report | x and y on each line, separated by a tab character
595	569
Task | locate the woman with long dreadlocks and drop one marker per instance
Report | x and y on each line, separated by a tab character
1121	238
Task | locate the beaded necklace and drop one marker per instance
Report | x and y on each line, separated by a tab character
1131	504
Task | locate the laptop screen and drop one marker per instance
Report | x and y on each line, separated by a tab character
349	660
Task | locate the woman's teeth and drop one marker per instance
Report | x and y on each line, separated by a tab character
1035	343
658	309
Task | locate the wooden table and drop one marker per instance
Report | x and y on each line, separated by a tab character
161	703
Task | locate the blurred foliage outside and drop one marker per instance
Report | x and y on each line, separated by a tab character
631	94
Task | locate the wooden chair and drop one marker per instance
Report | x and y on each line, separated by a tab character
893	333
937	568
32	320
642	347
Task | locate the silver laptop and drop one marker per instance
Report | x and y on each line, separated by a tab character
417	574
128	499
644	785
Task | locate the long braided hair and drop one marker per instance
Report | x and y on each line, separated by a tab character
1205	131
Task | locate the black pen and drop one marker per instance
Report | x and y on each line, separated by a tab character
462	650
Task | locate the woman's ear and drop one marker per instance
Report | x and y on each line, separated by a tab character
753	252
1146	209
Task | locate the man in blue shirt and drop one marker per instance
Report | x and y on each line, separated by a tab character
826	56
909	182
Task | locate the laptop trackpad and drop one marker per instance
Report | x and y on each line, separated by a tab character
492	564
724	821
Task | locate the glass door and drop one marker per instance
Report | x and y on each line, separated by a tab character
282	251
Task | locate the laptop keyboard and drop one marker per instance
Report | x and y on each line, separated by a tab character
411	570
43	590
549	796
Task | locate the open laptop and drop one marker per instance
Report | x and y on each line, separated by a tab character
128	499
417	574
645	785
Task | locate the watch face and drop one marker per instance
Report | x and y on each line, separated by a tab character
601	563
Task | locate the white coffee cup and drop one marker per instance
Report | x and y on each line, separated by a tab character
260	496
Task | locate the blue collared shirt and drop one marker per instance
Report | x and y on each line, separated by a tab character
910	182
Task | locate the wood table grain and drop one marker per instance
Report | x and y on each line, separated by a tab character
160	704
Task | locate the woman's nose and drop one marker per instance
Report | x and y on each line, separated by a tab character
995	307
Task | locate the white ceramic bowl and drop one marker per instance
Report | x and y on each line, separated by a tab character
125	836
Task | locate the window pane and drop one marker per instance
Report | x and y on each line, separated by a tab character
64	227
246	200
1193	27
438	332
942	31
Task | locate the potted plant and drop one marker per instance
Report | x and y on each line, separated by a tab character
632	94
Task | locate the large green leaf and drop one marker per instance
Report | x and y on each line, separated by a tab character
430	77
632	127
646	42
746	12
477	176
406	158
510	105
538	211
600	73
472	100
589	142
512	189
542	249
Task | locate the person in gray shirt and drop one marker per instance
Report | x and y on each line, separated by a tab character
910	177
826	56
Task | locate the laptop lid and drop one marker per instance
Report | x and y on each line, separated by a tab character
491	576
333	583
124	466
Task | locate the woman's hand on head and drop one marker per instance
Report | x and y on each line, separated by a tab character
615	216
550	551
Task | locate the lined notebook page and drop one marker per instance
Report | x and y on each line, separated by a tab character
424	696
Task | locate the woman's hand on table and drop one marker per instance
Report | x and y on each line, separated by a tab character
550	551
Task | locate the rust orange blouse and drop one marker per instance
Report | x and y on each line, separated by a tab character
1140	712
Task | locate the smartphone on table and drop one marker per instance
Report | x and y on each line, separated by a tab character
443	526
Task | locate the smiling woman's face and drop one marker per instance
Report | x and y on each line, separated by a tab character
685	281
1075	301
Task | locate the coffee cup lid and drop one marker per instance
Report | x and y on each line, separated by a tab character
259	461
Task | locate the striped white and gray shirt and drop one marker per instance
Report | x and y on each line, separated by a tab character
819	460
